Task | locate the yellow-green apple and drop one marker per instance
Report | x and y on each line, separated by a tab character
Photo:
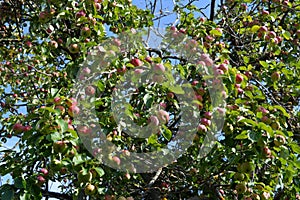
74	48
241	188
275	76
90	189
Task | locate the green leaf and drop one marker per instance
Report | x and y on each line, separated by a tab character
242	136
295	147
286	34
264	64
63	125
248	122
176	89
167	133
282	110
78	159
215	32
19	182
100	171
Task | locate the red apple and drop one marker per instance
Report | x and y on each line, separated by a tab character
267	152
159	68
205	122
44	171
153	120
116	159
27	128
90	90
239	78
223	67
41	180
57	100
73	111
136	62
18	128
163	116
272	34
201	128
81	13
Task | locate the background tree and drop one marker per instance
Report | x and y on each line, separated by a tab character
255	48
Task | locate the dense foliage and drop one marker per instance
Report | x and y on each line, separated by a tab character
254	47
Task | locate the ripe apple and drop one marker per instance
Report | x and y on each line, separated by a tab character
195	82
159	68
208	115
239	78
98	6
90	189
267	152
116	159
163	116
272	34
73	111
279	140
148	59
206	59
263	29
27	128
136	62
138	71
86	70
17	127
209	38
205	121
122	70
74	48
41	180
158	78
90	90
85	32
84	130
275	76
201	128
153	120
53	44
223	67
241	188
57	100
80	13
59	146
44	171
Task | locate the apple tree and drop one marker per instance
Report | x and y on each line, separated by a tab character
251	46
